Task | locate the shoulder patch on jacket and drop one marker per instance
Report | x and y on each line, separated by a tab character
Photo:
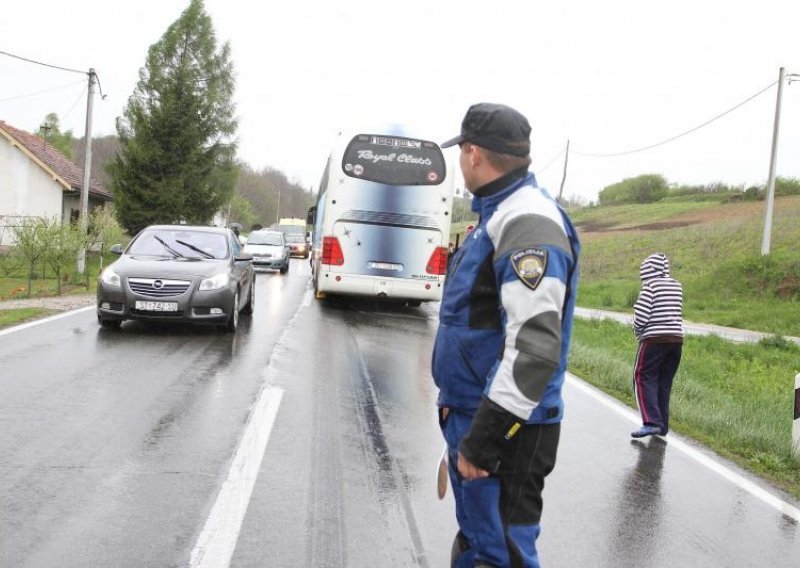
530	264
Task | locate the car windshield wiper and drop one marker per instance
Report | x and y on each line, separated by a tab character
169	249
196	249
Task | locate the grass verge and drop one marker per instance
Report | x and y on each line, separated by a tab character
22	315
737	399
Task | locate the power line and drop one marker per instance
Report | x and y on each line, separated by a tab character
706	123
551	162
41	92
42	64
73	104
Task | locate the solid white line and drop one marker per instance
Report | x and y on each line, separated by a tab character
31	324
715	466
217	541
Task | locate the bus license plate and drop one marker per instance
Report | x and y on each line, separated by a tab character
386	266
157	306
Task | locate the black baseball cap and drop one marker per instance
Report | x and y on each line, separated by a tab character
496	127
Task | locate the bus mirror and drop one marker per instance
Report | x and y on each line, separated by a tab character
311	215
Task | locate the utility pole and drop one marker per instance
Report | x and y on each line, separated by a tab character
47	128
87	166
564	175
765	238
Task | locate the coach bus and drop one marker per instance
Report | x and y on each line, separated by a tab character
382	218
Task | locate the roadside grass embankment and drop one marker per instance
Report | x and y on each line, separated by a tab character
714	250
22	315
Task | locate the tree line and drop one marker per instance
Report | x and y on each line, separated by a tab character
649	188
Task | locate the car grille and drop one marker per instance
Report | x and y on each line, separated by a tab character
157	287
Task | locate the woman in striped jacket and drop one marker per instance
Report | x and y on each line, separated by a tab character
658	324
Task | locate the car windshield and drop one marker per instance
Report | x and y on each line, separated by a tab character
180	243
264	239
295	238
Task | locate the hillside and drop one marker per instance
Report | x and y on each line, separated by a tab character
714	248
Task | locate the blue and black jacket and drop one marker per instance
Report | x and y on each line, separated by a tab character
506	314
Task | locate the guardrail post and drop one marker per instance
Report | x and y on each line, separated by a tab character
796	425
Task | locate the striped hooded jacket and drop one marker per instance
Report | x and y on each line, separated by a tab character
658	311
506	314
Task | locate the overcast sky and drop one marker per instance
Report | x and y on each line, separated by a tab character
609	76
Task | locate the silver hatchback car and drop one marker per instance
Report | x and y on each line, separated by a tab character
182	273
269	249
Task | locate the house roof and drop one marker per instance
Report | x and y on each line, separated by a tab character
54	162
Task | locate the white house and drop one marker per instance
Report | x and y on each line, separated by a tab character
36	180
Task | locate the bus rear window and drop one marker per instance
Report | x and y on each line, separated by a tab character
394	160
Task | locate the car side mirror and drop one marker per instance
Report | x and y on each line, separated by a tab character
243	257
116	249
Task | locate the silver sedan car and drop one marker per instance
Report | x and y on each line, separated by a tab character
182	273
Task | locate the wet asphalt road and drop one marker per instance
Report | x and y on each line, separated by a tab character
115	447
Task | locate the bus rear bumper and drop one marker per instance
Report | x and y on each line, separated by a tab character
371	286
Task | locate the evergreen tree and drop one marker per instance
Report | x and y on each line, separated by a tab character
177	154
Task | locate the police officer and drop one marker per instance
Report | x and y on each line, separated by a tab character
501	347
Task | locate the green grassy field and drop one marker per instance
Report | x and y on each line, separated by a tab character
714	250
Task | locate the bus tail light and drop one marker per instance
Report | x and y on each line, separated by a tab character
332	251
437	263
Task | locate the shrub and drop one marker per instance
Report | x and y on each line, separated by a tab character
645	188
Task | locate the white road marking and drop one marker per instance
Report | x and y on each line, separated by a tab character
715	466
217	541
31	324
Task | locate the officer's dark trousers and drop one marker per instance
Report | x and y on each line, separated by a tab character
498	516
653	372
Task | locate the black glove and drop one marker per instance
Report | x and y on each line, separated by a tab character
491	429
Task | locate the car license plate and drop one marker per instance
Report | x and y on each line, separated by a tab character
157	306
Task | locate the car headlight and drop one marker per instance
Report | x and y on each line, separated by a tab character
215	282
111	278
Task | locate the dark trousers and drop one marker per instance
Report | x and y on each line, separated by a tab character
498	516
653	372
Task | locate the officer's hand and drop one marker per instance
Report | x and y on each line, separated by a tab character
469	471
